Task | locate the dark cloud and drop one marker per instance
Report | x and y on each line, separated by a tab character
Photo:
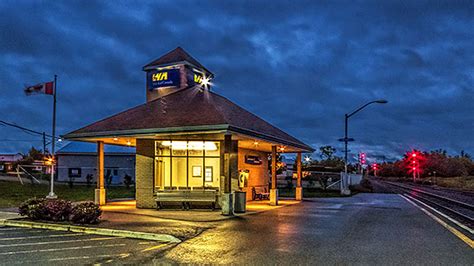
299	65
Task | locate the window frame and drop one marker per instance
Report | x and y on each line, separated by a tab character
202	155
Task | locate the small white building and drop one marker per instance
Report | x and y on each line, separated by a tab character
7	160
77	160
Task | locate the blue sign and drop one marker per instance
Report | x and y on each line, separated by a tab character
163	78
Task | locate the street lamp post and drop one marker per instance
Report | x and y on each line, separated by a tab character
346	122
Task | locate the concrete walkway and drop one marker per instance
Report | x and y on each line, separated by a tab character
23	179
8	215
194	215
124	215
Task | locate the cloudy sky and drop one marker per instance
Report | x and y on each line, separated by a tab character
298	64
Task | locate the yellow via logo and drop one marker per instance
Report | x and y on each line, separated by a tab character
197	78
159	76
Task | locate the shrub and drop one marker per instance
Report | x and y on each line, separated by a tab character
57	209
127	180
46	209
33	208
89	178
86	213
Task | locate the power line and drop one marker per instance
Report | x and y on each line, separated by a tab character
21	140
27	130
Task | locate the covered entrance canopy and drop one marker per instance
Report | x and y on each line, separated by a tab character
191	122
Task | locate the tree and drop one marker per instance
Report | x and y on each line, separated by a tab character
32	155
327	152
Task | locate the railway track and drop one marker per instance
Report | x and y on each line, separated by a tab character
461	211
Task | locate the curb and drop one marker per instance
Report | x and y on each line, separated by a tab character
93	230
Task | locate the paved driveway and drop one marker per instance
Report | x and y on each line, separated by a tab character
20	246
367	229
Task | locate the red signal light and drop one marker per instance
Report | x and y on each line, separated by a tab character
413	155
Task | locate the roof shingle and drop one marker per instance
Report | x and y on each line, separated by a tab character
174	56
187	108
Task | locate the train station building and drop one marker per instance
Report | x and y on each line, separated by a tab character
190	139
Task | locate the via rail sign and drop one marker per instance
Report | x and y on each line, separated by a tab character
163	78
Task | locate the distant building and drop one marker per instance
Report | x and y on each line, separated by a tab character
7	160
77	160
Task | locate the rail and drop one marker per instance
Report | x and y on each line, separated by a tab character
440	198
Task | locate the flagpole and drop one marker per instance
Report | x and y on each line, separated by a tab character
51	194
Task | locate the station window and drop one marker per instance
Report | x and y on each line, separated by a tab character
186	164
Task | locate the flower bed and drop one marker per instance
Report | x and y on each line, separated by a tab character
58	210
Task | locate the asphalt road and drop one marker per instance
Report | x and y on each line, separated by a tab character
367	229
20	246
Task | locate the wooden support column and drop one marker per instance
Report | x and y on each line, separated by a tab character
299	188
274	189
227	204
100	190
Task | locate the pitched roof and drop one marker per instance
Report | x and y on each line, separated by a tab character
185	109
75	147
174	56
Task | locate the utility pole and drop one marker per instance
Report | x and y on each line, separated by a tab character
346	140
44	145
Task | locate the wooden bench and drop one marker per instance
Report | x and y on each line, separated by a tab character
186	197
170	196
206	196
260	193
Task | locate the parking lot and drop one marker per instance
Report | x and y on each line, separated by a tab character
34	246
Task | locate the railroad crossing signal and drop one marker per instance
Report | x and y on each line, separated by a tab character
414	164
375	168
362	157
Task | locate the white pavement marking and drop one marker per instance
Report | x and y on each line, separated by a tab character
19	232
59	242
453	230
442	214
33	237
60	249
123	255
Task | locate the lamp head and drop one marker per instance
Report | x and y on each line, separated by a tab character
381	101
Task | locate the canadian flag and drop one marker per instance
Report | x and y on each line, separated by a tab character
46	88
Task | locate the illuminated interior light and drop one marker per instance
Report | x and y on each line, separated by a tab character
129	143
115	139
178	145
210	146
192	145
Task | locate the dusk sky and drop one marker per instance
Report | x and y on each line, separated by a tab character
300	65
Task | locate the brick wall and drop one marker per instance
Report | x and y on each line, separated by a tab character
144	173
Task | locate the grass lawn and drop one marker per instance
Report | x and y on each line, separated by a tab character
465	183
309	193
13	193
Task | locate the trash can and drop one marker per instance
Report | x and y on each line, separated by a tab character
240	201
